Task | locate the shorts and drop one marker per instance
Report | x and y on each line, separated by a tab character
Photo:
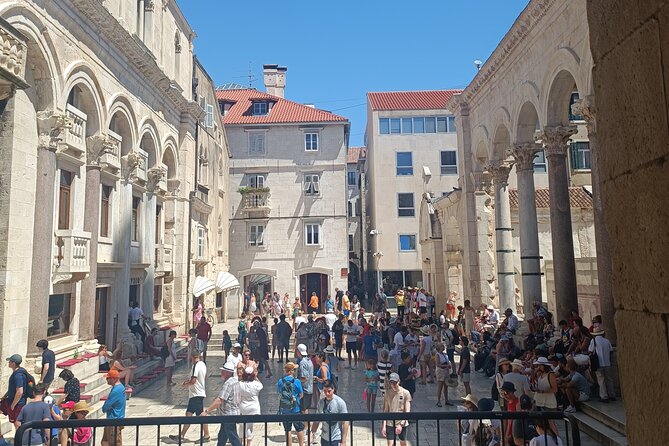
330	443
583	397
305	402
465	378
422	310
390	432
441	374
112	435
5	407
352	347
299	426
195	405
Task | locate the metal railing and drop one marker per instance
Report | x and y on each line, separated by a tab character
441	424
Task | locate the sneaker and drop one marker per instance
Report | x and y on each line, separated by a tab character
570	409
604	400
176	438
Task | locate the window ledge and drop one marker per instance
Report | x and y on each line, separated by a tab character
105	240
135	244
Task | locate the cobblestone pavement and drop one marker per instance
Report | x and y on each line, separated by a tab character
158	400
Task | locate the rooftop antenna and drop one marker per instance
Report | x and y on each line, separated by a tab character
251	76
477	64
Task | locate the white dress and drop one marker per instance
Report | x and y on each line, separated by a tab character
249	404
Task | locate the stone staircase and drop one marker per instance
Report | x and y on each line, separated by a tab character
604	423
94	388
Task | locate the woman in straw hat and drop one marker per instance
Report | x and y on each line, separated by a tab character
80	436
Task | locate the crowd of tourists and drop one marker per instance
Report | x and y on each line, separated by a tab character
536	366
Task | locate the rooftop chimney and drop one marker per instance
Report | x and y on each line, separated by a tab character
274	77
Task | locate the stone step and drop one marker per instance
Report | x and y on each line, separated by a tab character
610	414
598	431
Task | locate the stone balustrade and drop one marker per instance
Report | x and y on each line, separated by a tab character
163	260
111	156
72	251
255	202
75	135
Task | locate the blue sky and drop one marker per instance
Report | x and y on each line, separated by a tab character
337	51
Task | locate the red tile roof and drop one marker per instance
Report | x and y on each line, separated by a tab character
578	198
283	110
354	153
410	100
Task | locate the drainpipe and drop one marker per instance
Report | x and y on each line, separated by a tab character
191	196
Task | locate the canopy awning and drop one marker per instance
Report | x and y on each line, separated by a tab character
202	285
226	281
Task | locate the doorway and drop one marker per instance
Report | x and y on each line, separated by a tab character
313	282
101	295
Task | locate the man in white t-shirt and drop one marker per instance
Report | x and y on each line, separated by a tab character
330	319
352	331
196	395
421	298
398	342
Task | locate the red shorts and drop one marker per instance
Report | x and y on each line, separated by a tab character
6	408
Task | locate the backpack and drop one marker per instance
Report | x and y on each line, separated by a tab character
29	390
164	352
287	401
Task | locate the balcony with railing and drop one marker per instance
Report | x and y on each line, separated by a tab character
72	252
163	261
255	200
111	156
142	167
75	135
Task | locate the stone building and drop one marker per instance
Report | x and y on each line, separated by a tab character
523	125
98	172
411	158
288	222
355	183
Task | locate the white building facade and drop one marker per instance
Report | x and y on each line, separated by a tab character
288	214
412	157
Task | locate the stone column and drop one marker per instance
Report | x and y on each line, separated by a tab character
149	8
503	233
155	175
484	288
586	107
530	261
95	146
122	244
556	142
51	127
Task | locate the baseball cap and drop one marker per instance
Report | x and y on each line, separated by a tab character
67	405
508	386
15	358
302	349
394	377
236	345
113	373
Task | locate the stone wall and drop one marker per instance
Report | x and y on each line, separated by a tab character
630	47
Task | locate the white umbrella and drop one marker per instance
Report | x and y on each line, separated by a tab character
202	285
226	281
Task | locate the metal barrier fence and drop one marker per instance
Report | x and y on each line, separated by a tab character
442	424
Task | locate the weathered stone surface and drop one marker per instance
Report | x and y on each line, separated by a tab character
643	362
639	94
636	220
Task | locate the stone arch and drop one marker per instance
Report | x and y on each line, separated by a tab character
170	158
481	137
84	92
527	92
557	102
501	142
42	67
121	120
148	141
527	123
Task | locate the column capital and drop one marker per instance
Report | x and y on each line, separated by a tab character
149	5
51	125
523	154
96	146
586	107
129	164
499	169
155	175
556	138
482	182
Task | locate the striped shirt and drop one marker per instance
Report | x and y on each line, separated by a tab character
384	372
